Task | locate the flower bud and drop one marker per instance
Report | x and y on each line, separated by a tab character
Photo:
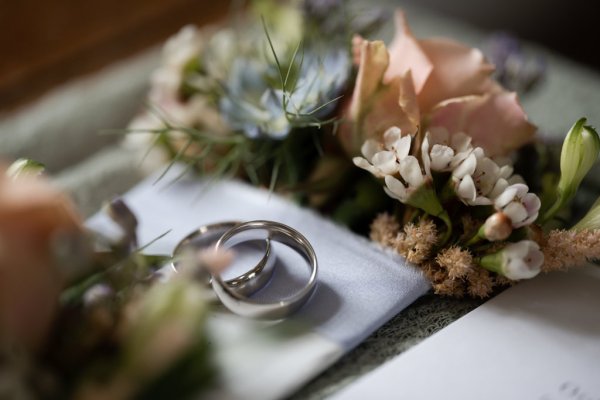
521	260
25	167
579	152
497	227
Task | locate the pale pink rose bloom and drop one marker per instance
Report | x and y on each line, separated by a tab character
442	71
32	214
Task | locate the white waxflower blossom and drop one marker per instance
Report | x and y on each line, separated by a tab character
521	260
518	204
459	142
384	159
412	175
477	179
436	157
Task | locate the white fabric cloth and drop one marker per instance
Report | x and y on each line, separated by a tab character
359	288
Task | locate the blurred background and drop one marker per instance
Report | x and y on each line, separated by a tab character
44	44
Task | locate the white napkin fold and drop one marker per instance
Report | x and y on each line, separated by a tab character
360	286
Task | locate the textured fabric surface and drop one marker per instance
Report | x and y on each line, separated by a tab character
359	287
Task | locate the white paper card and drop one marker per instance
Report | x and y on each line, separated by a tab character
539	340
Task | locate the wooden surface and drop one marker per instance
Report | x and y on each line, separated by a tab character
45	43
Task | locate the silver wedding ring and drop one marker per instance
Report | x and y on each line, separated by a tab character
239	303
244	284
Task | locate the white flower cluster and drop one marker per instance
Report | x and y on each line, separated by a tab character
476	179
472	178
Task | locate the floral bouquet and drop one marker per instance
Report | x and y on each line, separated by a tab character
80	314
446	148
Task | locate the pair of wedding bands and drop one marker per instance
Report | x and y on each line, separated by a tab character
234	293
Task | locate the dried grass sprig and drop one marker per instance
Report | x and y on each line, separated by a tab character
564	249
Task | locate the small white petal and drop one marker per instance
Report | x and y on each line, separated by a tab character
364	164
506	171
403	147
514	179
395	189
499	187
479	153
391	136
425	155
516	212
523	260
386	162
410	170
507	196
441	157
459	157
467	167
527	221
466	189
486	175
480	201
369	148
522	189
532	203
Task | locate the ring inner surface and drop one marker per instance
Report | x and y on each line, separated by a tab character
247	254
289	279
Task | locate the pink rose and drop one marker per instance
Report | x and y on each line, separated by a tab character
32	214
440	71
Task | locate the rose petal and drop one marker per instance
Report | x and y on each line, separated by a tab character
458	71
496	122
376	106
406	55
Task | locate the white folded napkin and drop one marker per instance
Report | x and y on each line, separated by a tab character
359	288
